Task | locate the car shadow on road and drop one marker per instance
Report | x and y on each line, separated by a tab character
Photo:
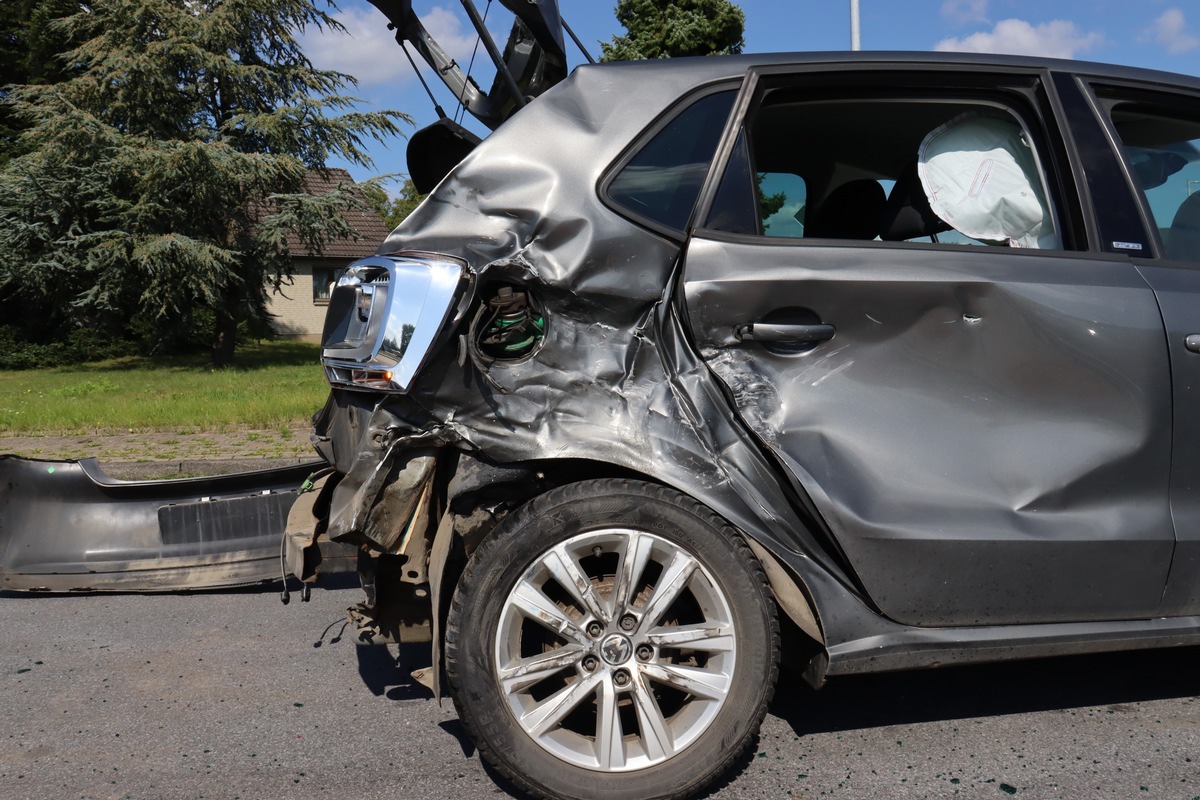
389	674
868	701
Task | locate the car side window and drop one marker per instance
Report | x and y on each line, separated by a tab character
662	180
781	203
920	170
1161	144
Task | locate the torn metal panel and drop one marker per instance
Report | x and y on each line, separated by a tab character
308	553
66	526
613	378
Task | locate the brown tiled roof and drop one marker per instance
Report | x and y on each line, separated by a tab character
372	230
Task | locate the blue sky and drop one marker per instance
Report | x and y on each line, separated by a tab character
1160	34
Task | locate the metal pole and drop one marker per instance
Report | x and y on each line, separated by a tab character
578	43
497	58
855	35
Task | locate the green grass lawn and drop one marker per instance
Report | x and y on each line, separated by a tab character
273	385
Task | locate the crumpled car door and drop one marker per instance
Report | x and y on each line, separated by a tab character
987	441
985	431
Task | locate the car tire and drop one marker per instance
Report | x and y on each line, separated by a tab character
612	639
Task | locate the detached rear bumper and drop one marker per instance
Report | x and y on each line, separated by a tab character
66	526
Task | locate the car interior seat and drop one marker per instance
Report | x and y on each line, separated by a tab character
1183	238
907	214
851	211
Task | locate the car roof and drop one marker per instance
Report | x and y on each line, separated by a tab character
705	68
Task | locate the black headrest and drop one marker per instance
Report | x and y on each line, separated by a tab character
907	214
1183	240
851	211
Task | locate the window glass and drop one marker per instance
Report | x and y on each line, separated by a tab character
663	179
734	207
323	278
1163	151
922	170
781	203
745	198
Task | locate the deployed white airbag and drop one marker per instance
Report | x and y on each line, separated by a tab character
980	176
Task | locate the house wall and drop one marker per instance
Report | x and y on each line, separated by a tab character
299	314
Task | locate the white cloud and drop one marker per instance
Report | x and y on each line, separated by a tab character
454	35
1055	39
1170	30
368	50
965	11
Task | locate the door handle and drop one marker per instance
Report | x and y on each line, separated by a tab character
784	334
1192	342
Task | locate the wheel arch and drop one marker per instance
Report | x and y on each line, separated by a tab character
514	682
475	483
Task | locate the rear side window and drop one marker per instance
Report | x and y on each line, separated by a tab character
1161	144
781	203
929	169
661	181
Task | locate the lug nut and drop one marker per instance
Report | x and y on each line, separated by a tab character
644	652
590	663
628	622
621	678
594	629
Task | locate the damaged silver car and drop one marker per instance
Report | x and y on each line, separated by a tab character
891	359
864	363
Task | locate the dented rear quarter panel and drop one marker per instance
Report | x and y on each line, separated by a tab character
615	380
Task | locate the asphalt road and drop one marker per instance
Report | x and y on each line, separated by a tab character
233	695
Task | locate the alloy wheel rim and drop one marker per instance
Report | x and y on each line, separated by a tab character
615	650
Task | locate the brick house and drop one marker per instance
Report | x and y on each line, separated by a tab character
299	308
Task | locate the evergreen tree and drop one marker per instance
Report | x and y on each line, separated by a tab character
672	28
768	204
30	52
159	180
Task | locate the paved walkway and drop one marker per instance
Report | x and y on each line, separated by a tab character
142	455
